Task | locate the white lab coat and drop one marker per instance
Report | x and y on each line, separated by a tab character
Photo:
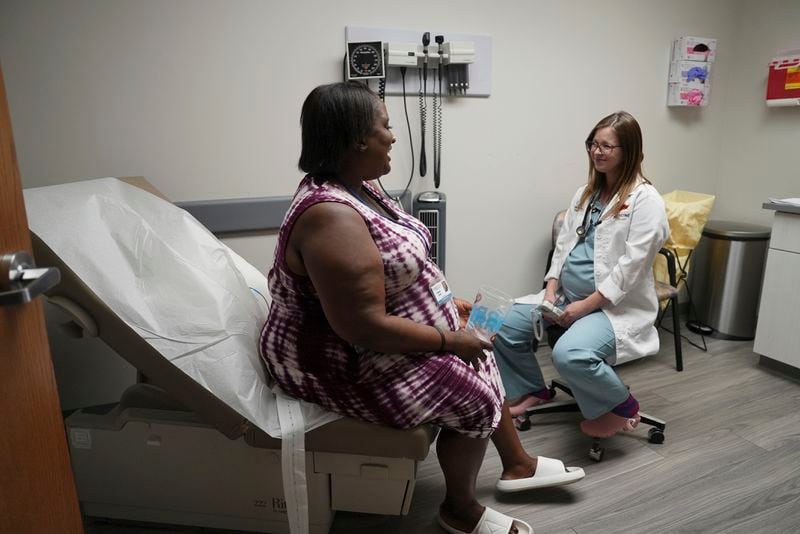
625	247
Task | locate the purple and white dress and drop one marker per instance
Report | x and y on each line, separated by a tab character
310	362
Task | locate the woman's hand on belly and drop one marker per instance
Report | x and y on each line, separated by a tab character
467	346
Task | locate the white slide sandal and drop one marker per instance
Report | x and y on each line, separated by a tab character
491	522
549	472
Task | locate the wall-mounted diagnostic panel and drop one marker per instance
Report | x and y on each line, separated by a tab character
463	62
427	67
365	60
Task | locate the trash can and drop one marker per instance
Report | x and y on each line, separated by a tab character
726	276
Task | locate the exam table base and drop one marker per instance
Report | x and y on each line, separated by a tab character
168	467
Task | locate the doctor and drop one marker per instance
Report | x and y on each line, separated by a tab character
601	279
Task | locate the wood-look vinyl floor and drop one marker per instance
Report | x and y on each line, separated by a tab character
730	462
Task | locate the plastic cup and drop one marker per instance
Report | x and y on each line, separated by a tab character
488	312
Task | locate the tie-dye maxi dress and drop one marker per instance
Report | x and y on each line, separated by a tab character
309	361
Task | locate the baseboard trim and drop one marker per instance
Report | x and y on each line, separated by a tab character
784	369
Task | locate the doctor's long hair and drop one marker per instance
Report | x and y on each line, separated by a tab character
630	139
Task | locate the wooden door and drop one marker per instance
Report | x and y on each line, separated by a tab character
37	491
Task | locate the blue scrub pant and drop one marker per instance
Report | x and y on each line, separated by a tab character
579	356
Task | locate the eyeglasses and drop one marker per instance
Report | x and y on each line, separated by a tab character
591	146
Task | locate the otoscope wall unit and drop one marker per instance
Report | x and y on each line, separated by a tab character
690	71
465	59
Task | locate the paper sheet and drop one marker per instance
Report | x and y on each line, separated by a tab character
170	280
786	201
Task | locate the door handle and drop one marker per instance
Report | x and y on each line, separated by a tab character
21	281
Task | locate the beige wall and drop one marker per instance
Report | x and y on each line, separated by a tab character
203	98
760	155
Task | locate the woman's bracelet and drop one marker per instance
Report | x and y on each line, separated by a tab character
441	336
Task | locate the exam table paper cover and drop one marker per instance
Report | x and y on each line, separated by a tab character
180	288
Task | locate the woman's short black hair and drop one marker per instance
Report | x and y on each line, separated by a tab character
334	118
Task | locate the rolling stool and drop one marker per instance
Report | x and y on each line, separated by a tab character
523	422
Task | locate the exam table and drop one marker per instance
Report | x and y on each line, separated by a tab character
177	448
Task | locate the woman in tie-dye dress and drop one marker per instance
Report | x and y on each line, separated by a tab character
361	320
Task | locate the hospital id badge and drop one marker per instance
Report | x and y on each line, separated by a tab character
441	292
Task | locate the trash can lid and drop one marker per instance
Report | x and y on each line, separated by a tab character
736	231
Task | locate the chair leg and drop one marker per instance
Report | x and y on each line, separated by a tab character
676	331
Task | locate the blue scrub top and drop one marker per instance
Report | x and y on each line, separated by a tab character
577	275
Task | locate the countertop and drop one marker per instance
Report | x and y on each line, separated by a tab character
786	208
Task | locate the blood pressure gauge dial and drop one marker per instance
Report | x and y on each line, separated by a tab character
365	60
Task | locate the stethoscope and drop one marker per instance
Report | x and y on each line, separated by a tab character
590	208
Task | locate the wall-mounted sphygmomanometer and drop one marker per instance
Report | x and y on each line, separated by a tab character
365	60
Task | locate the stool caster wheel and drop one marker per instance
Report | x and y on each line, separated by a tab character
655	436
596	452
522	423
